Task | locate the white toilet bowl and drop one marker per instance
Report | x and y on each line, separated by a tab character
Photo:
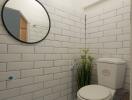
95	92
110	73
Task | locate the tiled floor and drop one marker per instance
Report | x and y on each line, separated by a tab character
122	95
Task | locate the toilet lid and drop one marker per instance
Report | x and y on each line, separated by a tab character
94	92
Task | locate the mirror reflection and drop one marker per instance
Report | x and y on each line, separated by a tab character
26	20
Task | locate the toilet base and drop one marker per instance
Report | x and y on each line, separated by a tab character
110	98
112	93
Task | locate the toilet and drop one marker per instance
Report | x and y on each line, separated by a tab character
110	73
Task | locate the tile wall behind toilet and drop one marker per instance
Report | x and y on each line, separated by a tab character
108	32
43	70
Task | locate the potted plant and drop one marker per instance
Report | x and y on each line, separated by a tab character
84	69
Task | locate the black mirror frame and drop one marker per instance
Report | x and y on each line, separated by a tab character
19	39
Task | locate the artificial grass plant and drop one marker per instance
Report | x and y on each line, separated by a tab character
84	69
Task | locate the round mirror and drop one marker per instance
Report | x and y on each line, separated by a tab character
26	20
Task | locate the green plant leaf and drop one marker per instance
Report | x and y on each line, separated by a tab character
84	69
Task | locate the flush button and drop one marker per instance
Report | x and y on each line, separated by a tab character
12	77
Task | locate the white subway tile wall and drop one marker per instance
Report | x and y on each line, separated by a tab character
108	34
42	71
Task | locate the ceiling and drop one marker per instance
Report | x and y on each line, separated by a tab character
72	4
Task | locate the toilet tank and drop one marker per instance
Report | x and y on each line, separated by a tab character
111	72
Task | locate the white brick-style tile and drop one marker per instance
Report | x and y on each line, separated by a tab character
67	91
112	37
95	35
43	78
9	93
10	57
43	49
35	67
52	96
68	45
31	88
95	40
19	82
61	25
67	33
43	64
59	88
60	50
95	24
108	14
57	44
61	75
61	13
108	26
67	21
123	37
63	97
62	38
22	97
20	49
125	23
75	18
93	30
126	44
32	57
31	72
56	18
126	16
123	51
113	45
56	30
93	51
126	29
127	2
123	10
75	29
5	75
113	19
66	80
107	51
2	67
42	93
12	66
7	39
3	85
93	19
52	70
57	56
43	71
95	45
41	98
75	40
3	48
110	32
61	62
51	83
107	39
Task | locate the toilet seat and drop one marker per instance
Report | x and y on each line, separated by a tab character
94	92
